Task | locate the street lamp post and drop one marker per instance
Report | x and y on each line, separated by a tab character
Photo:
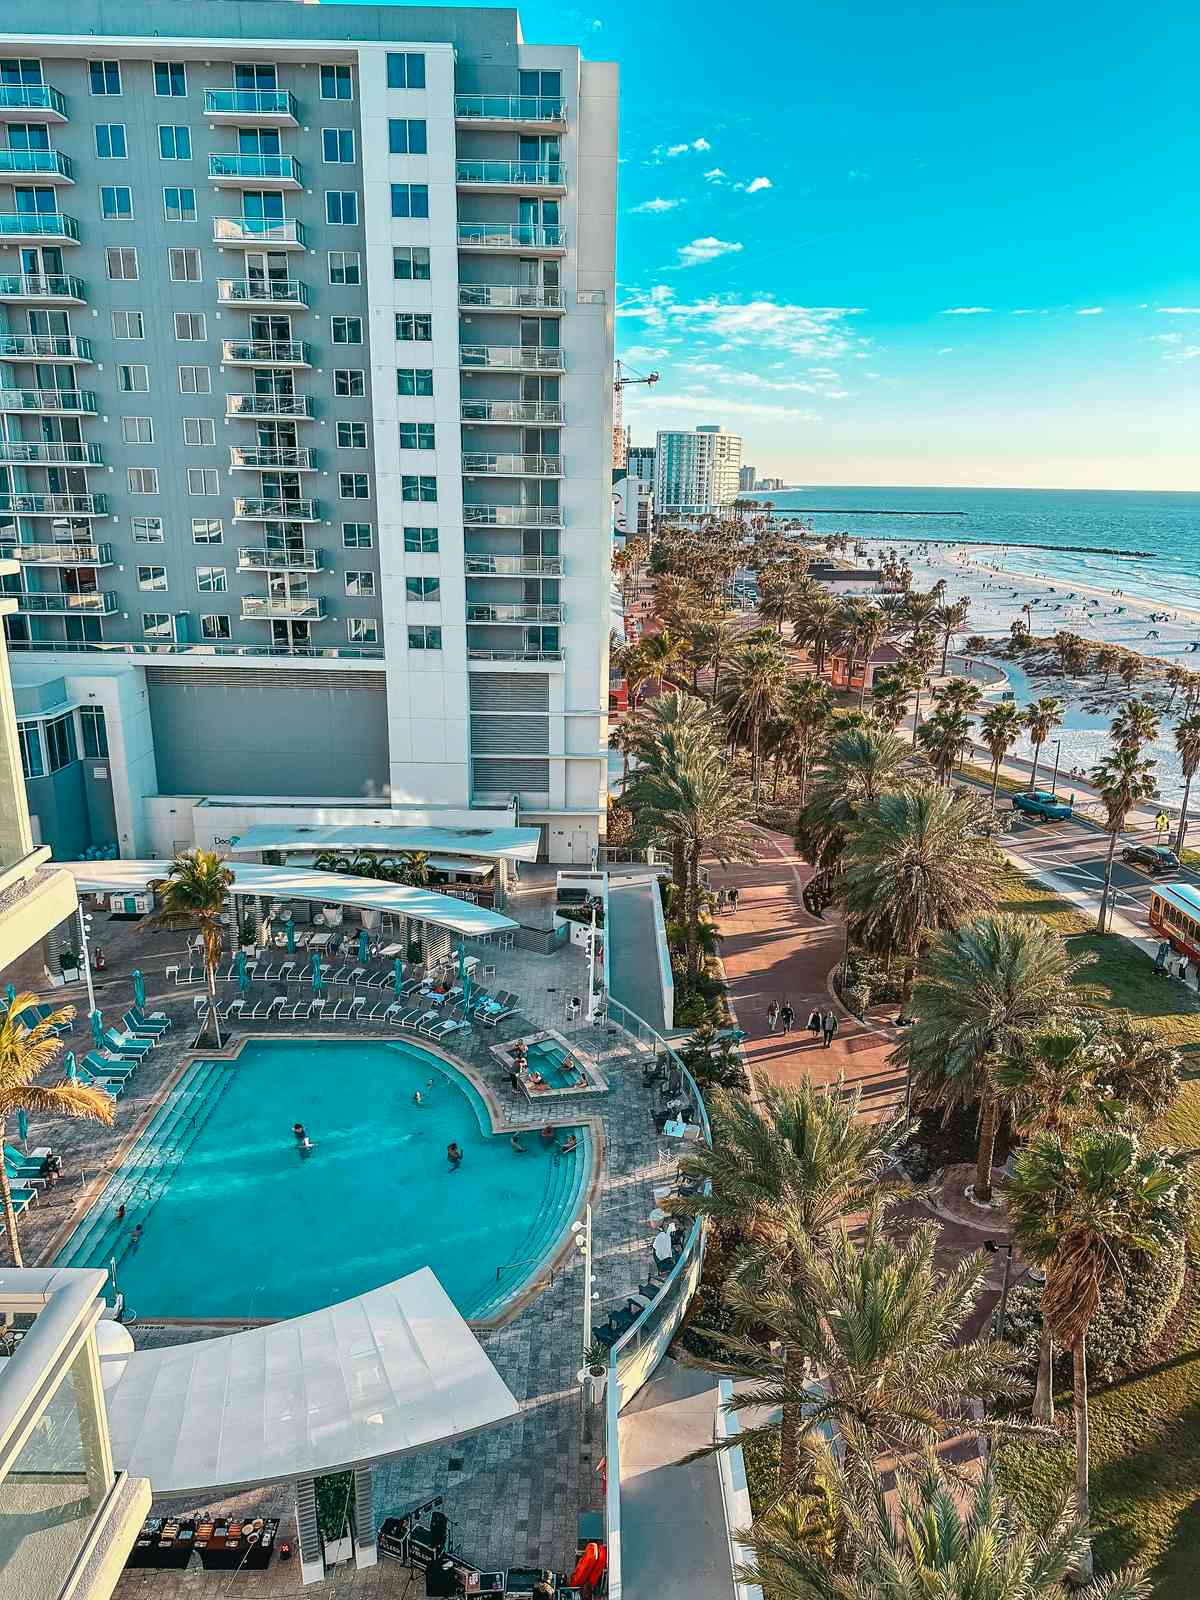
591	1000
86	956
992	1247
1057	754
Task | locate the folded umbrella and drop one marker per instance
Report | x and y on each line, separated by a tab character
364	947
139	990
398	976
290	929
97	1022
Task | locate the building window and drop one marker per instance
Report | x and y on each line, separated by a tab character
95	732
345	266
410	199
170	80
203	480
30	736
195	380
352	435
184	265
104	77
116	202
190	325
346	330
207	530
200	431
337	146
424	589
143	480
414	380
152	578
156	624
424	638
410	261
60	742
211	580
538	84
137	430
347	383
405	70
146	530
174	142
356	535
414	487
354	486
214	625
121	262
409	326
336	83
179	205
360	585
421	541
110	141
407	136
416	436
133	380
341	208
362	630
128	325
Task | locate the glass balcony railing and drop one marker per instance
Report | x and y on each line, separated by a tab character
267	607
32	102
261	292
279	233
54	505
513	516
44	347
511	236
268	405
77	400
42	288
532	411
479	464
260	558
246	509
490	566
255	105
477	654
50	453
271	458
233	166
513	357
511	174
38	226
37	164
265	352
514	613
79	553
509	108
61	604
508	297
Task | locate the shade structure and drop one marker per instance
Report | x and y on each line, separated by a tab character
364	946
510	844
316	971
23	1126
289	928
97	1022
397	976
139	989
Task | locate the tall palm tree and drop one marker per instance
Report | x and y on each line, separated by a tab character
756	689
1041	718
704	807
891	690
948	620
723	635
665	655
1135	724
917	661
193	895
946	738
1187	744
774	598
1128	668
814	620
1000	728
26	1052
957	695
920	611
1050	1083
1070	1206
807	714
1124	781
674	733
859	764
1108	658
1176	676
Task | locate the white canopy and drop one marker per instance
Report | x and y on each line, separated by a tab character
383	1374
512	844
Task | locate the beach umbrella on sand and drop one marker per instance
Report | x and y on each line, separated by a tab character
243	980
316	971
97	1022
69	1067
139	990
289	928
397	976
23	1127
10	993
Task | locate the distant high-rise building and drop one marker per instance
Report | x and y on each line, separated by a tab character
746	477
639	462
770	483
696	472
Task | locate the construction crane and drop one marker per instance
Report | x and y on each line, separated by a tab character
621	381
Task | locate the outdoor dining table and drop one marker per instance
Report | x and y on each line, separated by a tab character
390	950
319	941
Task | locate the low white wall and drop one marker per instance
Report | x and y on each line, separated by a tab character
735	1494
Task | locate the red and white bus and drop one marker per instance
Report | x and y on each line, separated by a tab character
1175	915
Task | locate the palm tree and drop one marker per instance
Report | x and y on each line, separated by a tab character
665	657
724	641
193	895
814	619
1176	676
1000	728
623	736
774	598
920	612
1124	781
25	1052
760	678
948	620
891	690
1128	668
1108	658
1051	1081
917	661
858	766
1135	724
1041	718
1187	744
671	735
957	695
1070	1207
946	738
807	713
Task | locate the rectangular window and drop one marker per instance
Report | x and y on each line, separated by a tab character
128	325
184	265
116	202
32	764
170	80
195	380
421	541
143	480
424	638
133	380
211	580
536	84
410	199
208	530
345	266
414	380
346	330
336	83
356	535
95	732
121	262
146	530
104	77
410	261
214	625
137	430
362	630
179	205
203	480
347	383
156	624
360	585
422	589
190	325
337	146
413	487
110	141
60	742
199	431
416	436
174	142
354	486
352	435
407	136
405	70
152	578
341	208
410	326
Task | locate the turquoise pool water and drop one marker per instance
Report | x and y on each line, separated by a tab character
550	1059
236	1223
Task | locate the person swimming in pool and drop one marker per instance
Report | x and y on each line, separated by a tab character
569	1144
298	1132
454	1156
517	1147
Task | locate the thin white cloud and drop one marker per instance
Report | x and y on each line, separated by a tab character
855	176
946	350
1029	311
703	405
658	205
1165	338
1189	353
966	311
677	149
821	335
714	174
707	249
1178	311
757	184
701	144
1090	311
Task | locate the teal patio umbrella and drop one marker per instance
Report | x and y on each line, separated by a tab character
23	1127
462	974
139	990
241	965
397	976
364	947
69	1067
97	1022
243	978
289	928
316	971
10	993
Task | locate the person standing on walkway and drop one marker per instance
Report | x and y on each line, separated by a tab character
772	1015
829	1027
814	1022
733	899
787	1016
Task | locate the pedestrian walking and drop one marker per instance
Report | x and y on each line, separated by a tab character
788	1016
814	1022
829	1027
733	899
772	1015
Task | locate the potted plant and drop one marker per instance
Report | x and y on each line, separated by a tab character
68	960
595	1370
248	933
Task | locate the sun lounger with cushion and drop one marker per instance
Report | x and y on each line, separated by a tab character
149	1019
109	1066
142	1030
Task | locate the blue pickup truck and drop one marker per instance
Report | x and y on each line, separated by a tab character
1041	803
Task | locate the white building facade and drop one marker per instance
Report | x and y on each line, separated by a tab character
695	472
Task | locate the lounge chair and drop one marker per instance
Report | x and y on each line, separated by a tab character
27	1173
316	1007
443	1028
357	1004
226	1013
253	1013
109	1066
266	974
111	1086
22	1199
34	1160
413	1017
143	1030
275	1007
286	971
338	1014
127	1043
490	1017
146	1019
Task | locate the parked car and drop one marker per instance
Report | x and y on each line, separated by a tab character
1042	803
1155	858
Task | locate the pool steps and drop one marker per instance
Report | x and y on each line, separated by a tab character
560	1201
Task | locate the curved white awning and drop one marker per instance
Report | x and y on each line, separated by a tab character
510	844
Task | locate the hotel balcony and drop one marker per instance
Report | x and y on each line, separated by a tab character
540	112
477	465
44	347
509	297
53	505
509	411
278	294
501	177
79	553
268	608
67	402
31	102
265	353
262	510
514	655
259	233
252	108
50	453
513	516
62	604
256	558
268	405
270	458
510	358
46	166
512	238
38	227
42	289
232	170
514	566
514	613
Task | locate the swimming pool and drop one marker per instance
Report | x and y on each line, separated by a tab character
237	1223
550	1059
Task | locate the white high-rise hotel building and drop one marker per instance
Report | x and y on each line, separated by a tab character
305	418
695	472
